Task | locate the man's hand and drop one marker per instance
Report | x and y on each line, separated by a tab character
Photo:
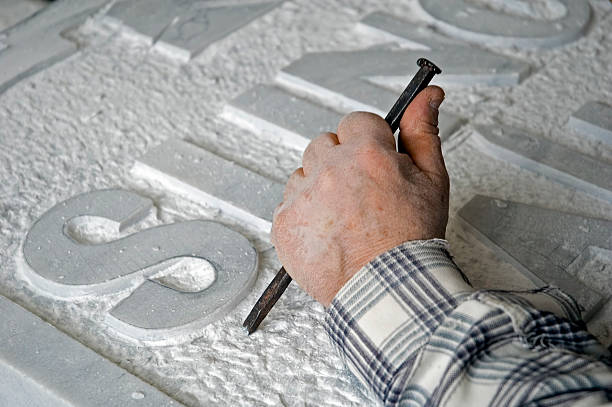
355	197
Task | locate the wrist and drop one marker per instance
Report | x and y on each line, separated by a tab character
414	250
404	290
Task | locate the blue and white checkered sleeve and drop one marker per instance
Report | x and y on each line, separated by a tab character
415	332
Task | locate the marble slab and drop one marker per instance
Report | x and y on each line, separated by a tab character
41	366
542	243
37	43
202	176
593	119
174	278
471	22
537	154
185	28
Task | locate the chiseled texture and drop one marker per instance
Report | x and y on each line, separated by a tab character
414	330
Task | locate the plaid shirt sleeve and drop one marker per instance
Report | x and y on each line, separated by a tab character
414	331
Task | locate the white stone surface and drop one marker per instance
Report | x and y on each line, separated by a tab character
277	115
14	11
479	23
593	119
155	310
19	390
52	369
340	80
80	124
37	43
185	28
352	78
553	160
204	177
461	63
356	80
542	243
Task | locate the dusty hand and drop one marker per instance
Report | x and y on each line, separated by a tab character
356	197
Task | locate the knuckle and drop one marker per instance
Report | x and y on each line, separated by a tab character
279	222
308	151
295	178
358	119
352	117
372	159
426	128
327	178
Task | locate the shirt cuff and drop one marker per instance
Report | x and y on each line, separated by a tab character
387	312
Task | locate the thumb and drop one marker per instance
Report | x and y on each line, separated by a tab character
419	132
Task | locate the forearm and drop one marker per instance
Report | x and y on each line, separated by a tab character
412	328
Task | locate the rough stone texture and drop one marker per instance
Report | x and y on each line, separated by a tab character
186	27
56	370
80	124
275	114
553	160
62	265
463	19
542	243
202	176
37	43
593	119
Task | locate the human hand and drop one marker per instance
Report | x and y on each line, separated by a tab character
356	197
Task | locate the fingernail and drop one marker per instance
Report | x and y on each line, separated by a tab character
435	104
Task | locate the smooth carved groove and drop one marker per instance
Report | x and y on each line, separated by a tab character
185	28
460	19
347	81
199	270
343	85
204	177
278	115
36	43
543	156
462	64
594	119
351	79
41	366
339	82
542	243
